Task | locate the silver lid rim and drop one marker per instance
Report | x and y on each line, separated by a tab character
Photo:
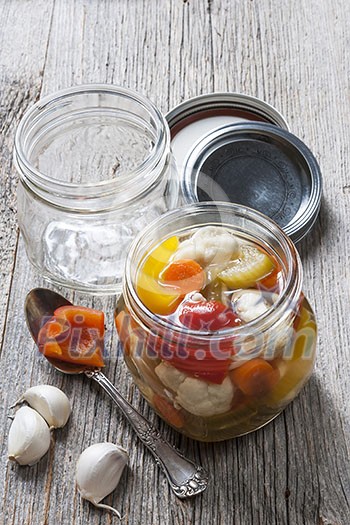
297	229
213	100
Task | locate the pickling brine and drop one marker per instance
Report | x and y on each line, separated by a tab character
213	324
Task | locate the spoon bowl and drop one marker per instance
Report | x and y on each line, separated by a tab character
184	476
39	306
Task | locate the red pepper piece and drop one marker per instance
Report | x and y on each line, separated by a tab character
208	316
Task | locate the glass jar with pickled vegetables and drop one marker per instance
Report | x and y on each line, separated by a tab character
214	326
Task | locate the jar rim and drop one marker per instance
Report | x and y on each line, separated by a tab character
104	187
288	298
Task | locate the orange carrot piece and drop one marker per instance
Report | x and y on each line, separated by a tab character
57	328
185	275
255	377
168	411
270	282
74	335
81	316
47	338
125	326
122	324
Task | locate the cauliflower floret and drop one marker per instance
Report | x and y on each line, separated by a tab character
187	250
281	340
248	348
205	399
209	245
196	396
196	297
250	304
170	376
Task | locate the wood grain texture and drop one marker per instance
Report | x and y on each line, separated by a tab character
294	55
23	44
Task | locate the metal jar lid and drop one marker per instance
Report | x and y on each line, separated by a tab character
258	165
195	117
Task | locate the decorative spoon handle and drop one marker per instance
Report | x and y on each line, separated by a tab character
185	478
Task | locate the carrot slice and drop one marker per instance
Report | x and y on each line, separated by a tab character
56	328
74	335
82	316
125	326
122	325
255	377
48	338
168	411
270	282
186	275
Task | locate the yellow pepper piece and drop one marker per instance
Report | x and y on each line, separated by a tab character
157	298
159	257
300	366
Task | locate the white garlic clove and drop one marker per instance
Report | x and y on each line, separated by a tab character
29	437
51	403
98	472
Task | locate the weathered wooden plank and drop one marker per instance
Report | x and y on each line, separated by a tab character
290	57
295	470
23	41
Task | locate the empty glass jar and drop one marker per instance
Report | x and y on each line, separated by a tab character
95	168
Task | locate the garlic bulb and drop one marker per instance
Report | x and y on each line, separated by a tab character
99	468
29	437
51	403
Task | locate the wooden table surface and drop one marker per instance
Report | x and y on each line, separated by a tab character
293	54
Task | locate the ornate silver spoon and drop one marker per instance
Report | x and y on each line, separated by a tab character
185	477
